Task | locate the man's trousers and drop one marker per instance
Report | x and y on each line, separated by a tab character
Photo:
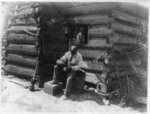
58	76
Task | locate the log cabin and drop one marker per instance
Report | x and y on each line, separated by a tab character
40	33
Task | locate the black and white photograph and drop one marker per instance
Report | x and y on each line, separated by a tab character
74	56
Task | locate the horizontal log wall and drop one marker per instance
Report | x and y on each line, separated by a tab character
127	29
21	49
21	38
133	9
97	43
21	60
19	71
91	8
22	29
87	9
99	32
24	24
25	13
124	39
118	15
96	67
28	21
100	19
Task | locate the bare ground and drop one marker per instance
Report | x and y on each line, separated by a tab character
18	99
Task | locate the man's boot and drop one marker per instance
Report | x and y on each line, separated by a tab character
54	82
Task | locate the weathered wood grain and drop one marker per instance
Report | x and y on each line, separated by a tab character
29	12
90	53
133	9
21	60
91	19
18	29
96	8
126	17
21	49
96	66
20	38
27	21
126	29
99	31
20	71
124	39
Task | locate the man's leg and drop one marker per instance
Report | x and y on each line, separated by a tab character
78	83
70	77
56	75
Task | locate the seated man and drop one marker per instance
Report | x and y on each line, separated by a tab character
71	62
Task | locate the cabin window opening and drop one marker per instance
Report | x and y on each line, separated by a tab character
74	29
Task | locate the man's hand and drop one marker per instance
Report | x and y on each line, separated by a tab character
59	62
68	68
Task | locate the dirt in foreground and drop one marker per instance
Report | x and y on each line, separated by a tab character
18	99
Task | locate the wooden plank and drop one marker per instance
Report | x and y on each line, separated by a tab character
91	78
96	8
124	39
90	53
97	43
133	9
24	13
145	25
99	31
27	21
121	28
96	66
19	71
91	19
26	5
20	38
21	49
18	29
21	60
126	17
23	6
